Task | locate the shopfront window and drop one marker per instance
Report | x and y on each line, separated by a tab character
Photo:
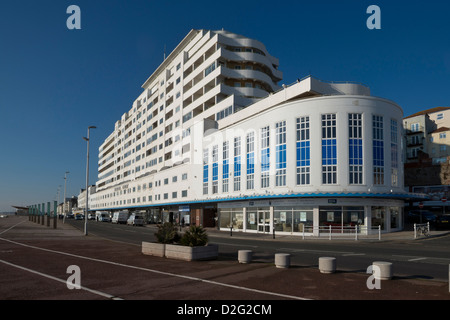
353	216
395	217
293	219
341	219
303	219
330	216
232	217
252	219
378	214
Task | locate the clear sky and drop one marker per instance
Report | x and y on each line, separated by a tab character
55	82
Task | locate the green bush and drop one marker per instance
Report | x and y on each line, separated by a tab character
167	233
195	236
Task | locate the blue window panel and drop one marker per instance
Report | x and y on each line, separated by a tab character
281	157
205	173
237	166
250	163
265	160
378	153
355	152
215	171
226	169
329	152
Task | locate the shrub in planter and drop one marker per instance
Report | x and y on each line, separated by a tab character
167	233
195	236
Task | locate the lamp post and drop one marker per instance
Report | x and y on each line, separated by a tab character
65	187
87	180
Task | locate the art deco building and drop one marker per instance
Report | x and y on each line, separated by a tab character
215	140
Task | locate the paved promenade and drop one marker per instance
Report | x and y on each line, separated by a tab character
34	261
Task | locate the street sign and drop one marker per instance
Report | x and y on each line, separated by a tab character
444	199
421	205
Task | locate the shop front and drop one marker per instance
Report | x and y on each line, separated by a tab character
312	216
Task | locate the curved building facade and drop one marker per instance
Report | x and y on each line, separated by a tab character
214	140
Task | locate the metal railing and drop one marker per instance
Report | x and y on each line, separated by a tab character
341	232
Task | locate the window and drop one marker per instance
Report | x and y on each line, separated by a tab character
184	193
265	157
355	142
251	161
442	135
210	69
280	150
205	171
440	116
329	149
224	113
303	151
225	167
394	152
415	127
378	150
215	169
237	164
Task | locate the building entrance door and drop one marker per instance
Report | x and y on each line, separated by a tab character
264	221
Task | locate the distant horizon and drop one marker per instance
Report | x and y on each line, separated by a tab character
57	81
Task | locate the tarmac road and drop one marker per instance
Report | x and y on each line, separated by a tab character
424	259
34	261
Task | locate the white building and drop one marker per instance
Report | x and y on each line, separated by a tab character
214	139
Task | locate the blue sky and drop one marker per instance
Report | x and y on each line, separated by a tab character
56	82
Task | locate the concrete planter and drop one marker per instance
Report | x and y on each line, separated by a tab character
208	252
327	265
245	256
384	270
282	260
153	249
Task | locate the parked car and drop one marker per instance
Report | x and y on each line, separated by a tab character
70	216
135	220
79	217
443	221
421	216
91	216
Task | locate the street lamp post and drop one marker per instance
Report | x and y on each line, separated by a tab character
65	187
87	180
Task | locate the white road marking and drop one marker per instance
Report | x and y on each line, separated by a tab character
12	227
417	259
103	294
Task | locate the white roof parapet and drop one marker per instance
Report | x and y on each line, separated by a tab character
308	86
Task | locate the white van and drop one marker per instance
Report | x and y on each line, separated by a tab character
104	217
120	217
135	220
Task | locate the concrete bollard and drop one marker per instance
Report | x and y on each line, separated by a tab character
282	260
327	265
385	270
245	256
